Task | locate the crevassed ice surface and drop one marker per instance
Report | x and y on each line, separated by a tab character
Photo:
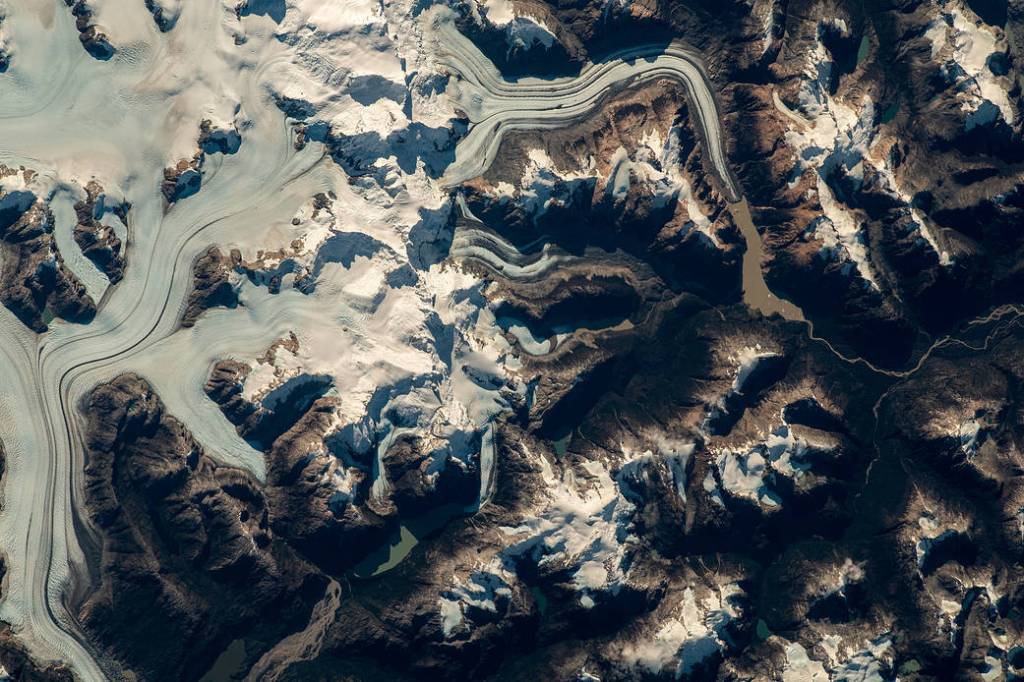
388	318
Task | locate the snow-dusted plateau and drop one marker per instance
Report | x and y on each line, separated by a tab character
511	339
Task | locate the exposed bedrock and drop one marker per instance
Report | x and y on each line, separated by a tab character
189	556
99	242
211	285
18	663
953	467
333	531
34	282
558	38
524	46
327	505
218	140
416	489
263	422
185	177
92	38
165	13
5	48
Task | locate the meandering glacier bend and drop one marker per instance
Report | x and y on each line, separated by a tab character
496	106
110	131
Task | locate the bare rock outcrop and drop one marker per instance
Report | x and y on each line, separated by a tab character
35	284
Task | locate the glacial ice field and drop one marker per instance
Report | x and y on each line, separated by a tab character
379	94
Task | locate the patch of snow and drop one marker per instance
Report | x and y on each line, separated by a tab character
840	231
499	12
522	30
451	614
746	472
870	664
743	475
482	589
692	634
711	488
970	435
591	575
932	531
767	25
677	456
587	523
830	643
836	138
965	43
800	667
749	357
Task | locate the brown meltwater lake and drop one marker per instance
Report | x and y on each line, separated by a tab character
756	293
